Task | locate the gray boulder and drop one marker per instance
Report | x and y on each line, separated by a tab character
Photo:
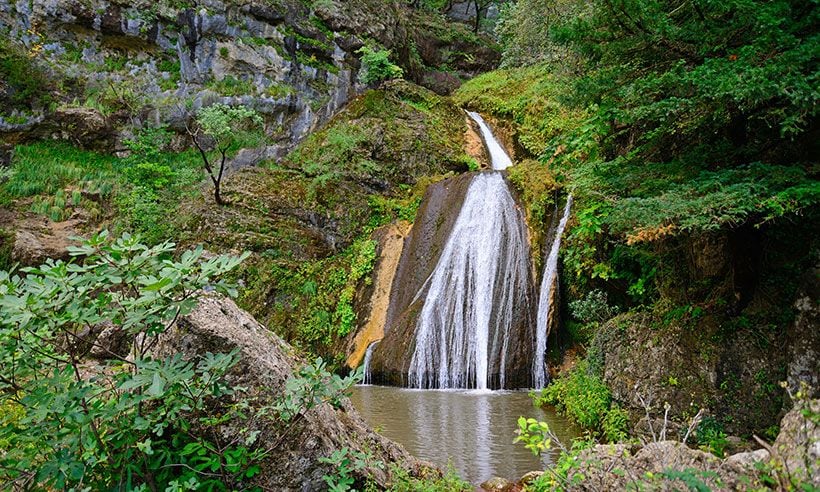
218	325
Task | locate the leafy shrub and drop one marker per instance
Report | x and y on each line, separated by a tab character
346	463
615	426
711	437
593	308
24	81
376	66
433	481
130	421
534	434
581	395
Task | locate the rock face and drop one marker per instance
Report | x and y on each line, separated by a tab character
797	448
391	242
144	64
218	325
509	347
656	466
434	220
736	317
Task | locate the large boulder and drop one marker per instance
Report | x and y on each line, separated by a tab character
266	362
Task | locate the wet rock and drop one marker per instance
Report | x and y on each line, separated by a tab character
376	299
496	484
437	215
218	325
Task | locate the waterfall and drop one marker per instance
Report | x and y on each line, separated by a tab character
464	329
499	159
368	354
539	374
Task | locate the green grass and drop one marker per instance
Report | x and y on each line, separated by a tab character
44	168
145	193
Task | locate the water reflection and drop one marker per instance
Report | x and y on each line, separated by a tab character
472	430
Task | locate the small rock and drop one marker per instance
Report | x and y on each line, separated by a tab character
530	477
748	459
496	484
113	342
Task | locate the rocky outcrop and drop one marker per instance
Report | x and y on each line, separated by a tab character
435	220
266	362
671	465
796	451
735	318
125	64
374	313
37	239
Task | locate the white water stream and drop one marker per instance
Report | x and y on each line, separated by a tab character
463	330
539	365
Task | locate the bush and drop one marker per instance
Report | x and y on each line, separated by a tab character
376	66
23	80
128	423
581	395
593	308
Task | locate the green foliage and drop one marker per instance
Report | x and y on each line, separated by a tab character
24	81
232	86
155	181
530	97
594	308
376	66
615	426
229	126
226	129
584	398
711	437
523	32
433	481
133	420
312	386
697	117
556	477
691	477
324	291
534	434
48	167
6	247
346	463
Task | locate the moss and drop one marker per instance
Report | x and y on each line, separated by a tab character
529	97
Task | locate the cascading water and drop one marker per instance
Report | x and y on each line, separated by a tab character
368	355
539	372
499	160
481	278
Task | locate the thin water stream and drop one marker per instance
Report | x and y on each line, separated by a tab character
471	430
